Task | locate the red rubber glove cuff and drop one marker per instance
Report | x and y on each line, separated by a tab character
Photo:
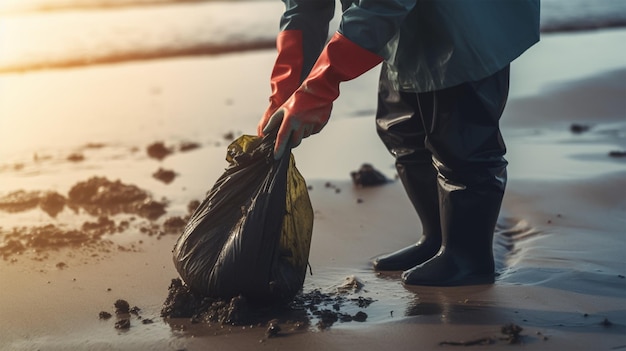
307	111
286	74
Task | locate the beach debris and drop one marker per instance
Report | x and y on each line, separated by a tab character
174	224
359	316
121	307
617	153
75	157
38	239
329	185
192	205
606	323
123	323
512	332
123	311
367	175
480	341
181	302
273	328
134	310
324	308
579	128
229	136
52	203
512	336
19	200
164	175
188	146
271	267
158	150
98	195
351	284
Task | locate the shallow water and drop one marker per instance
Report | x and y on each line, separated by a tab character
87	32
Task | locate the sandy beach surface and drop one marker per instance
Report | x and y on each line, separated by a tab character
559	243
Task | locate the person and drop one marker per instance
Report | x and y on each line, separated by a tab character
443	87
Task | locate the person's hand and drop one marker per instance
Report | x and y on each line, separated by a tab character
308	109
301	116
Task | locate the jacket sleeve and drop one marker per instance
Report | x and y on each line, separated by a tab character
371	24
312	18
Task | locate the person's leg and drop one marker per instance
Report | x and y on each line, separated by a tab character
468	153
401	129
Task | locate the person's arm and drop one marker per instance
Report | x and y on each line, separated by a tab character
303	33
365	29
371	24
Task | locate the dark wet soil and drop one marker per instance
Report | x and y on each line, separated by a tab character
511	335
124	314
98	197
313	307
367	175
20	200
188	146
165	175
158	150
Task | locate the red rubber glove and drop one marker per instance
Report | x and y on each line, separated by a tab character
307	111
286	74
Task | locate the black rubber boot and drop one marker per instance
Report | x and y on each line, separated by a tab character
401	129
469	216
420	183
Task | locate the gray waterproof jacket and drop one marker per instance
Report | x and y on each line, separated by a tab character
427	44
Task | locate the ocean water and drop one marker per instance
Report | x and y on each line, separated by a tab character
40	34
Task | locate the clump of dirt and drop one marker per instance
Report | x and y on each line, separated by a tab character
76	157
158	150
20	200
512	332
174	224
181	302
188	146
579	128
123	313
165	175
103	200
617	153
326	308
512	336
47	237
351	284
52	203
192	205
98	196
121	307
230	136
367	175
123	324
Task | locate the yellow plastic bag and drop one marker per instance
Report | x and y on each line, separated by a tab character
252	233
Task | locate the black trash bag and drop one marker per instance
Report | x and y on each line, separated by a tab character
252	233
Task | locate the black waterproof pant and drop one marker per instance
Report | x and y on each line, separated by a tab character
450	157
457	126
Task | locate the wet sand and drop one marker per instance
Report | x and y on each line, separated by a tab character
559	243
